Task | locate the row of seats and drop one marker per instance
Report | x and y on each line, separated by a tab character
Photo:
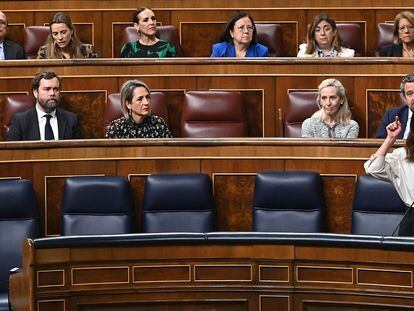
283	202
270	35
204	114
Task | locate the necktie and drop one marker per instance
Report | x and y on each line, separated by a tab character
48	129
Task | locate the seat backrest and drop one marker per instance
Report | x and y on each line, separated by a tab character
33	38
213	114
288	202
352	37
97	205
113	108
167	33
377	208
178	202
13	104
385	35
300	106
18	220
271	35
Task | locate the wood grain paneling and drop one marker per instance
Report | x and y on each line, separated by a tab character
156	274
274	302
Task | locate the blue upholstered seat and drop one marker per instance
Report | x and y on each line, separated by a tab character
178	202
288	202
18	220
377	207
97	205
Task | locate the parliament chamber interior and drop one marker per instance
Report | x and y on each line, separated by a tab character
262	220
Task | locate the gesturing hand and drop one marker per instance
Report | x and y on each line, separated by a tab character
394	128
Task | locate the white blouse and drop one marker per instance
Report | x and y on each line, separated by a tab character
394	168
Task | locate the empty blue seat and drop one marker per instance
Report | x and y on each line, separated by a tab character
18	220
288	202
178	202
377	208
97	205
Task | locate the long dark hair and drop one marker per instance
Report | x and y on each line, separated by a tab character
230	25
409	143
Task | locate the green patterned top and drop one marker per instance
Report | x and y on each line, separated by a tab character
160	49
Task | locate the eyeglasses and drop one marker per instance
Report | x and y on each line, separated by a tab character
243	28
403	28
3	22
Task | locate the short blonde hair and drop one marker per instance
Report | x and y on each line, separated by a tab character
408	16
343	115
127	93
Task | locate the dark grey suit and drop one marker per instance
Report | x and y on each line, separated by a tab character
25	125
13	50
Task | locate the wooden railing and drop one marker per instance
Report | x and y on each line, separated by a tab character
216	271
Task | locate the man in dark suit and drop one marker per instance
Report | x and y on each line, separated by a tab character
45	121
404	113
8	49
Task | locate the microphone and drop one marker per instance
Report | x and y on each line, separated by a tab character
406	224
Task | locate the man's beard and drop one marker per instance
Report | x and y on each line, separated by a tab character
49	105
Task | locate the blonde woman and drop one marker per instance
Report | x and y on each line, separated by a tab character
63	43
138	120
333	119
403	37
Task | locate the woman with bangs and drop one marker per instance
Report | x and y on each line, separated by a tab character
323	40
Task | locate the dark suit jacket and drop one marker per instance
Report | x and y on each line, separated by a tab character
389	116
25	126
13	50
393	50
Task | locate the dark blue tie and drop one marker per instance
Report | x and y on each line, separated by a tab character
48	129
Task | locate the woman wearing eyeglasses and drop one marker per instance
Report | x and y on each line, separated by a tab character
239	39
403	37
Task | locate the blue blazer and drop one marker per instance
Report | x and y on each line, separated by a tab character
389	117
226	49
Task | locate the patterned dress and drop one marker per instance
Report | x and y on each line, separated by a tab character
152	127
87	51
160	49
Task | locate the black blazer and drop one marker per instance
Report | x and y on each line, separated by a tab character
25	125
13	50
393	50
389	117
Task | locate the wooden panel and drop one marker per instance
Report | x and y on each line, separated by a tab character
89	106
339	195
223	273
51	305
100	275
50	278
385	277
167	273
198	38
274	302
378	102
325	274
183	305
233	195
273	273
